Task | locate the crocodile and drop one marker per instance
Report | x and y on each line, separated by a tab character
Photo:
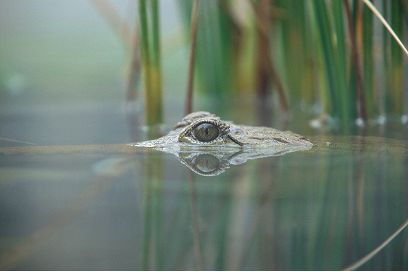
202	141
208	145
203	130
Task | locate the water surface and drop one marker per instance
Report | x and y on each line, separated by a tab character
325	208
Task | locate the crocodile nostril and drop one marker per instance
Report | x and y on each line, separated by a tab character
235	130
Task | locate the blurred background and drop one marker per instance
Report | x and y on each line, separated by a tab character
332	61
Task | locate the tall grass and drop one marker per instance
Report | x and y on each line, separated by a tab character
214	47
302	52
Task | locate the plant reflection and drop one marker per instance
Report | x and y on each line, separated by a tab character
324	208
309	210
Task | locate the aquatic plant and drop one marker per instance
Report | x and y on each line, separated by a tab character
151	60
332	53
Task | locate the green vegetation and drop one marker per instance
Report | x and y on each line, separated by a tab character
335	54
151	60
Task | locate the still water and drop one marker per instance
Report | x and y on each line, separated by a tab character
325	208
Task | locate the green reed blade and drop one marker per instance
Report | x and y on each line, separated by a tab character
156	73
396	86
155	32
324	33
145	54
213	46
353	18
368	63
347	92
144	33
150	55
290	43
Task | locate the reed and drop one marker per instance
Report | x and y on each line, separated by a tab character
192	57
151	60
323	23
296	46
214	47
396	76
356	83
365	43
311	52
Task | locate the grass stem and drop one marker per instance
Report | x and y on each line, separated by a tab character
109	14
362	113
134	70
192	57
150	55
385	23
375	251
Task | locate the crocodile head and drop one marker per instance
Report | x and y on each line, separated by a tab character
209	145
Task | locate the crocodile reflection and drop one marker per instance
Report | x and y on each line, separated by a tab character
216	162
208	145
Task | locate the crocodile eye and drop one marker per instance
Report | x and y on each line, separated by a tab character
206	132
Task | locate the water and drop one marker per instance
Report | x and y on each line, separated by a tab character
325	208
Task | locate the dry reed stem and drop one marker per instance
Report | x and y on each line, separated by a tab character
264	60
371	254
362	113
134	69
113	19
385	23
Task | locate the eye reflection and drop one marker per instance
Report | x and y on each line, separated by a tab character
206	132
206	163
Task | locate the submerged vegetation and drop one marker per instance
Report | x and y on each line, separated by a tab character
334	56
